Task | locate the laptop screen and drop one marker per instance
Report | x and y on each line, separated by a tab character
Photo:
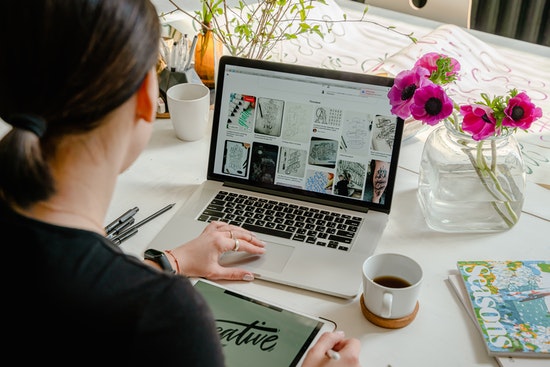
318	135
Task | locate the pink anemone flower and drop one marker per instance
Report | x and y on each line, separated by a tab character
431	104
520	112
429	61
478	120
403	89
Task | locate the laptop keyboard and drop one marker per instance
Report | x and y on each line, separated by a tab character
296	222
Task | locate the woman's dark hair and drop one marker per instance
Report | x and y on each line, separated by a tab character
65	64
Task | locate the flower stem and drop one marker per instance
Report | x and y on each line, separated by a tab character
483	170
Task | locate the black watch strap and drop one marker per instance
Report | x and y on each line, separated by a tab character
160	258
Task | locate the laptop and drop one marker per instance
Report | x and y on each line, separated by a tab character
300	156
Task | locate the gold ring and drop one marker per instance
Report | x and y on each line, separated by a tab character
231	233
236	248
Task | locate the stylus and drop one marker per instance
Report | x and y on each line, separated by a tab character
332	354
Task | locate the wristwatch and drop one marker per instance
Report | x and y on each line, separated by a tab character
160	258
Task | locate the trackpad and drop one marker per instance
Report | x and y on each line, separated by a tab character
274	260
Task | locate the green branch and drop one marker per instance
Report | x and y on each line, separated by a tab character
253	31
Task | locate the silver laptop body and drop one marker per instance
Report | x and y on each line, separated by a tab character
283	138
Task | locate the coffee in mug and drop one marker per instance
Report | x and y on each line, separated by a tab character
391	284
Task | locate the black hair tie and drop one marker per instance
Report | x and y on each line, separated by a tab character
29	122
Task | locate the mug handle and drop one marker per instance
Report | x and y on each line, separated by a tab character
387	301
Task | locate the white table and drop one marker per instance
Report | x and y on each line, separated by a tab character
169	169
442	334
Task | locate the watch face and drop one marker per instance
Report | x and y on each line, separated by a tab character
160	258
153	254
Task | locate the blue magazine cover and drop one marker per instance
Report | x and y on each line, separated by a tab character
511	303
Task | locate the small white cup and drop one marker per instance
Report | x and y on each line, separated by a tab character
189	107
391	284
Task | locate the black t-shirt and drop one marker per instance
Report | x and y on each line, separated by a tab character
74	298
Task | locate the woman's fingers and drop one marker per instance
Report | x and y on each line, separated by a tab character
238	238
323	352
218	238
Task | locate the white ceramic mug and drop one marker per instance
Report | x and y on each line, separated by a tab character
391	284
189	107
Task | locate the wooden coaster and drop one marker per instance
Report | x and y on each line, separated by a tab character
388	323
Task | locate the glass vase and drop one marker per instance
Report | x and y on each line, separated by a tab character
207	53
470	186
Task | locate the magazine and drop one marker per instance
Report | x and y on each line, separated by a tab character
458	287
510	301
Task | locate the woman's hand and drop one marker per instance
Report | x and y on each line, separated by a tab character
200	257
348	350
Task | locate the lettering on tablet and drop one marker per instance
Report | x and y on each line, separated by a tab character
255	333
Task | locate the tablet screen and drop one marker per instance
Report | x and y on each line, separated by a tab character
254	332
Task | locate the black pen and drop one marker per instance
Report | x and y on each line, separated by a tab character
121	227
124	236
123	218
142	222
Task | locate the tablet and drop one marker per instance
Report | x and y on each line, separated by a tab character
254	332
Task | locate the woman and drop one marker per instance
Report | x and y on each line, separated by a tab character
79	89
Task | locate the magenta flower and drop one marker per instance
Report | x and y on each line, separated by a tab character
478	120
431	104
403	89
443	69
521	112
419	93
429	61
